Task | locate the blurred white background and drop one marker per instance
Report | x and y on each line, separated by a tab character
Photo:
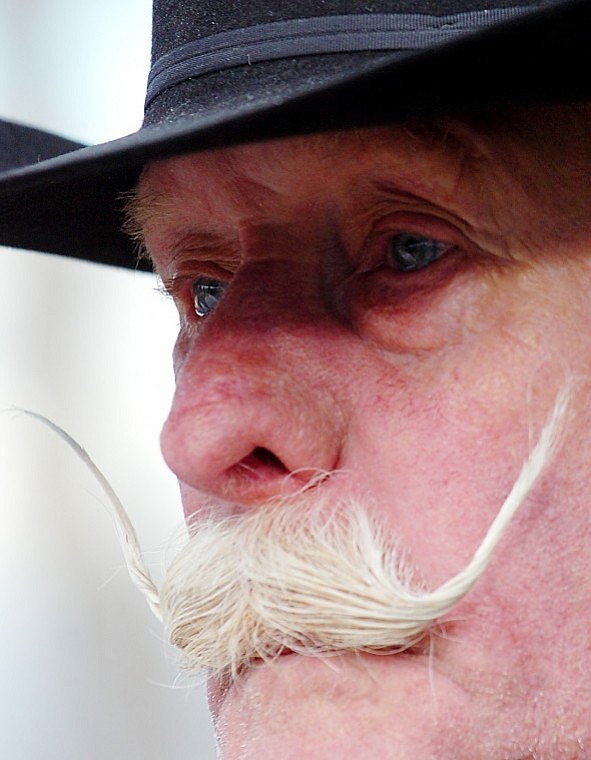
84	671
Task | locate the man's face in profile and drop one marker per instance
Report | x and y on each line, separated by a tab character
398	308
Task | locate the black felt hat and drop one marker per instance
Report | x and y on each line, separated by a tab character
229	71
22	146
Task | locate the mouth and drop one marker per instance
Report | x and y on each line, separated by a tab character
218	686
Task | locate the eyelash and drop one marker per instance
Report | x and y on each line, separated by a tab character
407	229
180	287
202	302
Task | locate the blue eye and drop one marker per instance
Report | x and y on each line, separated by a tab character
206	295
408	252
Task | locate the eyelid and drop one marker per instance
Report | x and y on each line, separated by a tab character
179	284
374	249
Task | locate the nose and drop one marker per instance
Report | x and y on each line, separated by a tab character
256	411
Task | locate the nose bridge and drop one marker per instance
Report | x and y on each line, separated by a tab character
282	261
275	301
253	404
277	295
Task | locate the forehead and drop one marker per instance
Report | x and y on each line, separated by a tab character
288	177
297	162
530	158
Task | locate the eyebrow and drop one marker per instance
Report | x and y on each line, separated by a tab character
143	211
136	212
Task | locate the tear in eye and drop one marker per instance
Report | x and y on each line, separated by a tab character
408	252
206	295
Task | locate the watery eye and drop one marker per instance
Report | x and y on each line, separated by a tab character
408	252
206	295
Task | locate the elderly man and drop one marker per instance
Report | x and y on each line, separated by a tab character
380	300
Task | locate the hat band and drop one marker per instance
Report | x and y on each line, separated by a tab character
313	36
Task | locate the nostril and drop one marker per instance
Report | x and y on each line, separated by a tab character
261	475
261	462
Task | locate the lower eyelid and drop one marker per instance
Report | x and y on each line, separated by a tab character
384	285
378	257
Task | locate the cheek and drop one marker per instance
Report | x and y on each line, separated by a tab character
437	468
424	311
441	436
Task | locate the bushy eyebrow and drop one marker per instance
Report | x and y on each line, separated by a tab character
136	213
144	211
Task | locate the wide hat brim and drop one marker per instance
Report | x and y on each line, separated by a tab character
73	204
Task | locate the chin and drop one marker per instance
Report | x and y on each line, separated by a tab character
417	705
346	706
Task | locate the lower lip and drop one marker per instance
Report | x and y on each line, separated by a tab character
218	687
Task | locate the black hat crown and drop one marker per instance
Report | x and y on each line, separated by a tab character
208	54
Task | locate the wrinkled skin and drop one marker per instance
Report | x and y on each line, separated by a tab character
422	390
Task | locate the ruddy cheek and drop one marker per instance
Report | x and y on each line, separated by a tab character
401	333
411	324
417	315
